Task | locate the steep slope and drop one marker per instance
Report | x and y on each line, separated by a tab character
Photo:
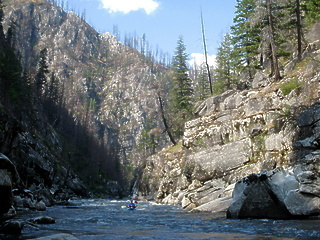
108	88
274	125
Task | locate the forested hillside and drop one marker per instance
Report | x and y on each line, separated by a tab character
88	100
264	37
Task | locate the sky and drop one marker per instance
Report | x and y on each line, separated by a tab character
163	21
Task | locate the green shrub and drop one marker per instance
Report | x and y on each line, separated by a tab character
288	87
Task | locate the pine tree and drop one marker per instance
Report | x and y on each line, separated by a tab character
202	88
10	71
182	89
274	57
2	38
225	71
312	10
266	13
53	89
289	28
246	37
41	76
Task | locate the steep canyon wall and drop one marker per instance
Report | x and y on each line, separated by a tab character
234	135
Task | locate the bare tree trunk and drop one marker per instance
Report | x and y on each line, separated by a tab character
298	14
272	43
165	123
206	53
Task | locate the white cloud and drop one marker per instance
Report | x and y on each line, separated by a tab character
126	6
199	58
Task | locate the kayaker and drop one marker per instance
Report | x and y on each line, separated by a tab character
131	205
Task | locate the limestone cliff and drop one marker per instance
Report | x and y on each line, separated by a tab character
236	134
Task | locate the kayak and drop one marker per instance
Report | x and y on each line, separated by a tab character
131	208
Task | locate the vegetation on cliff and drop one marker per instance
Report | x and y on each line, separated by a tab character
109	102
256	122
88	89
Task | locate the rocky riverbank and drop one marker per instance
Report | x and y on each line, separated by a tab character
14	198
272	128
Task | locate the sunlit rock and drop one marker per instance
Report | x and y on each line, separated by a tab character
276	194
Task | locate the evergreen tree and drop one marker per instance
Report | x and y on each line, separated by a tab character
289	28
53	91
2	39
274	57
182	89
41	76
266	12
245	37
312	10
10	69
202	88
225	77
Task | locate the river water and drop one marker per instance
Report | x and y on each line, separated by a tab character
107	219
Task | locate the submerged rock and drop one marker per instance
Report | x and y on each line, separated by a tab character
43	220
60	236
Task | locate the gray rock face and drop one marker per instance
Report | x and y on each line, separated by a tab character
280	193
253	198
237	135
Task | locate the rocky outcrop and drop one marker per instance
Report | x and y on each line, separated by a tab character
42	175
281	193
237	135
285	193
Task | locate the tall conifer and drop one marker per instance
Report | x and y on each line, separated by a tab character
245	37
182	89
41	76
225	71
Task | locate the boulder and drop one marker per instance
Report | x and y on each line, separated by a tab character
253	198
217	205
274	194
11	227
43	220
41	206
259	80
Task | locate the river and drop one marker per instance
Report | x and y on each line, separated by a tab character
107	219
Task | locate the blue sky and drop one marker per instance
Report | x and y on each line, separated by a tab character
163	21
